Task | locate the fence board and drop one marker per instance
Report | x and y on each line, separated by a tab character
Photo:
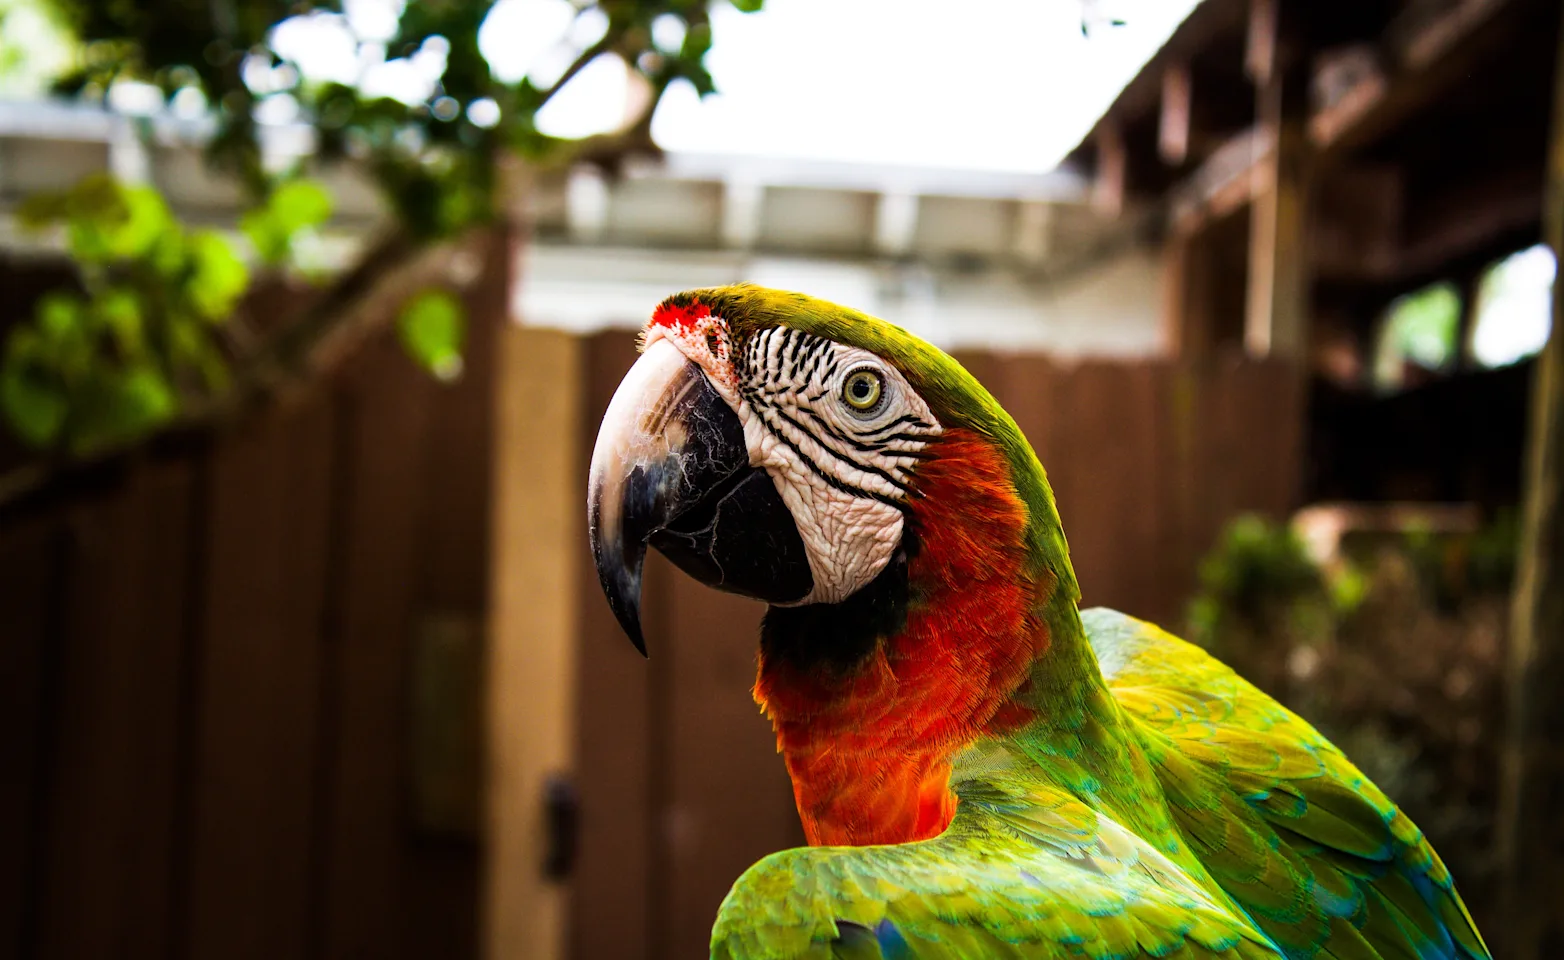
729	801
385	441
440	873
203	677
31	574
107	873
259	689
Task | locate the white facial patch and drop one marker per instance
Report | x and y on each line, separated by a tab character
839	431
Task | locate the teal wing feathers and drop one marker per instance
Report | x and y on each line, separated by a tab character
1318	856
1023	872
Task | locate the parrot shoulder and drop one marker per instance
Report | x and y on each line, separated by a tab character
1023	872
1316	854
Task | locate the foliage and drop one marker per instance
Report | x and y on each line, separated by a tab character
434	156
431	326
1259	579
140	339
1399	660
292	212
1420	328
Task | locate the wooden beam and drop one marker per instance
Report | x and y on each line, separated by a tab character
1435	56
1223	184
1531	832
538	531
1112	166
1186	302
1363	237
1431	40
1276	317
1173	128
1261	48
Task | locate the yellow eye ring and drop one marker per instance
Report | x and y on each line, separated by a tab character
862	390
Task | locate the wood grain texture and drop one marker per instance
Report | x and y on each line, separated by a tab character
260	677
537	543
32	573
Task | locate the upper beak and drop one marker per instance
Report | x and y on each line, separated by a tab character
671	469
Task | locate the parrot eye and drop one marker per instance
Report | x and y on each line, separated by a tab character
862	390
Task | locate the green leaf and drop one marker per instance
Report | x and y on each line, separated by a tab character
148	219
35	406
42	210
749	6
146	396
218	278
298	204
110	221
60	316
64	336
271	244
432	326
120	311
120	407
293	207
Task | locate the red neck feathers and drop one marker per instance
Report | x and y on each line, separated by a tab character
869	749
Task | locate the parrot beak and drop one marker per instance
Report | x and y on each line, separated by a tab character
671	469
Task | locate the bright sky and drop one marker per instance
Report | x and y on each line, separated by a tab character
986	84
1005	85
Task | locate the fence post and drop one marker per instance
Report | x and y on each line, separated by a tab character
531	677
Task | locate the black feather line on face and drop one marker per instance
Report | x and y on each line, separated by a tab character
768	411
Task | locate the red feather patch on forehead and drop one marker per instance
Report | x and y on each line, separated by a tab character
698	333
679	316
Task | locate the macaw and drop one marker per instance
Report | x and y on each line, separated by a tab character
981	768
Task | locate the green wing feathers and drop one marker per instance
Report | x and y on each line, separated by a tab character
1319	858
1021	873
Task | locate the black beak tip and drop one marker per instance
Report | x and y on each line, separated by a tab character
631	621
619	571
624	597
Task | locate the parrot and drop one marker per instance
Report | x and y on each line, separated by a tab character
982	769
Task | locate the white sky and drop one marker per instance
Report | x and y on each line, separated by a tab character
982	84
1007	85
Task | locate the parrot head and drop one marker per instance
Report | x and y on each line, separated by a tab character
868	489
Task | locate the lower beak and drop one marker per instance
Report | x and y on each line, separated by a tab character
671	469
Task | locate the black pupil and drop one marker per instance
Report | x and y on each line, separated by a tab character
861	388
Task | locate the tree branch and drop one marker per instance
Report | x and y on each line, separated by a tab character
605	45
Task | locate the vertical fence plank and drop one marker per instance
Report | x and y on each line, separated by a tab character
31	565
1104	478
614	728
160	590
259	689
531	696
386	415
728	801
1026	388
107	878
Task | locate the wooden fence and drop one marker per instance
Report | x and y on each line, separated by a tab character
204	680
677	771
